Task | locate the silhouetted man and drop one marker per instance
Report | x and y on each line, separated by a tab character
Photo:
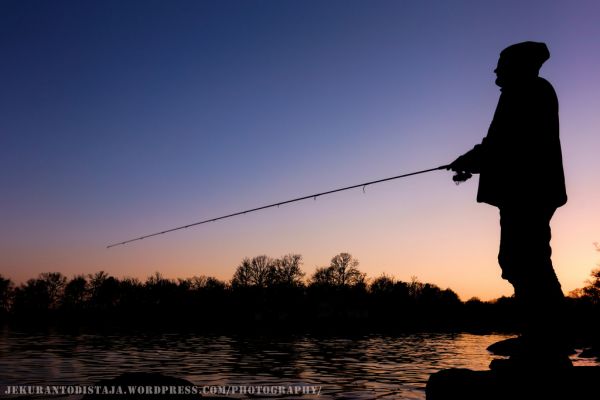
521	173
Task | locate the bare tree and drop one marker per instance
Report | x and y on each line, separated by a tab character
55	285
321	277
6	293
202	282
96	281
345	270
76	292
342	271
592	288
255	272
415	287
287	270
381	285
104	290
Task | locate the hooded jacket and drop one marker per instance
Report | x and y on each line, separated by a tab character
520	159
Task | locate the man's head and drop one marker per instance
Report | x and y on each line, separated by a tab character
520	62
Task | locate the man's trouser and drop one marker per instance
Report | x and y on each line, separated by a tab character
525	261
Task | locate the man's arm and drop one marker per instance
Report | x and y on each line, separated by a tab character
470	161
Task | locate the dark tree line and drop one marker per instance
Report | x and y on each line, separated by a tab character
590	292
263	291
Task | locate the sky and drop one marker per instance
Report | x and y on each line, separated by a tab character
122	118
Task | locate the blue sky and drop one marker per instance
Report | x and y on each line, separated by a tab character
121	118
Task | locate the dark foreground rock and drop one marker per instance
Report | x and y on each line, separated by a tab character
464	384
591	352
506	347
516	345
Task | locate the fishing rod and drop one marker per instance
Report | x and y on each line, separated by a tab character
459	177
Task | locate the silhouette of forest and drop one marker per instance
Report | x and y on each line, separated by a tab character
274	294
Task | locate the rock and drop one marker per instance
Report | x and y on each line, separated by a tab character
506	347
516	345
591	352
465	384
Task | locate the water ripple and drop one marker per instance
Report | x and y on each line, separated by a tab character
371	366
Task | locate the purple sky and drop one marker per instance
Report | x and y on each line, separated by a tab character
121	118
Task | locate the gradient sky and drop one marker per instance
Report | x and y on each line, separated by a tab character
121	118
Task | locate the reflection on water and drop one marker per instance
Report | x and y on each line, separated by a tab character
345	367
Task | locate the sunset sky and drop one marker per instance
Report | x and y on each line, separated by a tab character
122	118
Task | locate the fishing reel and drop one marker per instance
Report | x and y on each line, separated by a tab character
461	176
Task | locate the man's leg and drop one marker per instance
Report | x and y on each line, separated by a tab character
525	259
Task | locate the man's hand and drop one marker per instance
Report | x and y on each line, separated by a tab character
460	164
466	165
461	167
469	162
461	176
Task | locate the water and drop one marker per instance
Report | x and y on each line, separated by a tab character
370	366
